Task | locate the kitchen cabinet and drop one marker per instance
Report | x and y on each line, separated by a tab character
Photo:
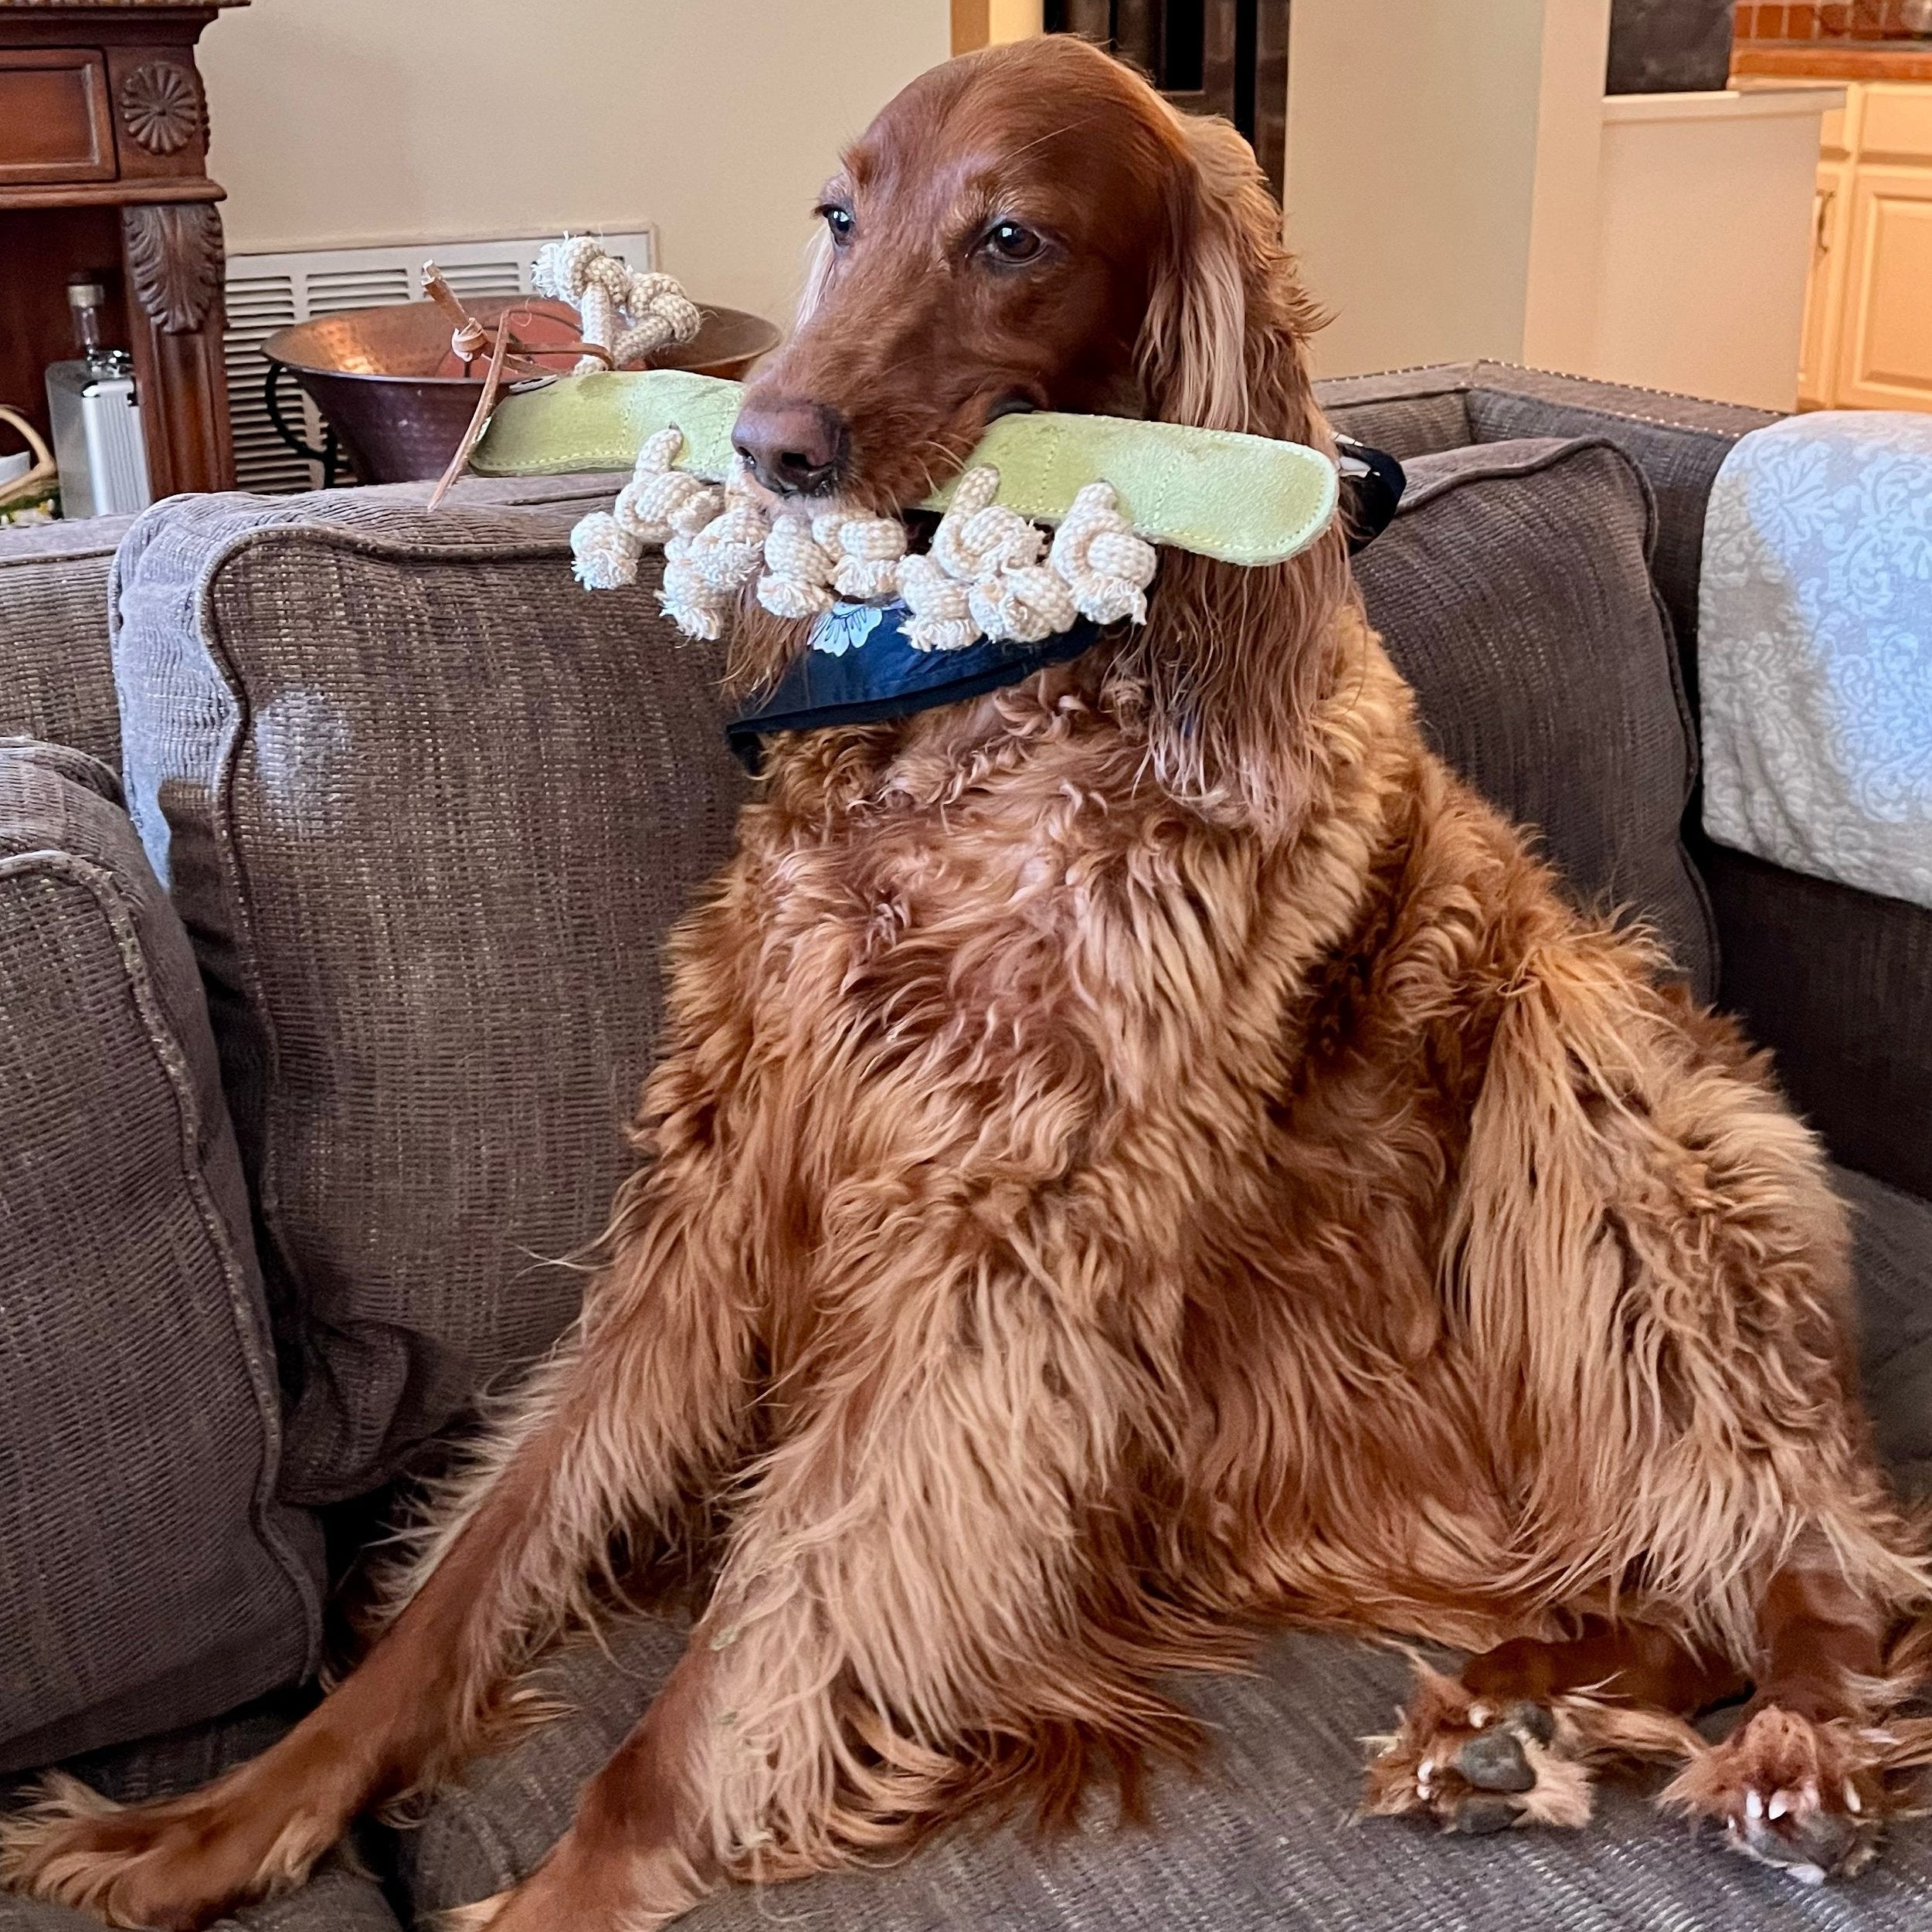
1868	316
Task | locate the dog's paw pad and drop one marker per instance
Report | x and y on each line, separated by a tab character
1806	1797
1495	1761
1799	1833
1476	1768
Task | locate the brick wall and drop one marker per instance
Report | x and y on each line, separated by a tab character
1823	20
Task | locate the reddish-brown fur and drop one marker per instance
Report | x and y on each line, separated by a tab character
1139	1157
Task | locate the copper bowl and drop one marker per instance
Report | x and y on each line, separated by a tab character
395	396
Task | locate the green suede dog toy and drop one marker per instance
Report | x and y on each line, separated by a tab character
1243	499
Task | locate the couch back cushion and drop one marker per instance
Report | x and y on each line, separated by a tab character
148	1577
56	682
428	810
1513	591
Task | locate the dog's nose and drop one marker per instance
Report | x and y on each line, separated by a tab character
796	449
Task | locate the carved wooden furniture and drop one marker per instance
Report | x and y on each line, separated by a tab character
104	143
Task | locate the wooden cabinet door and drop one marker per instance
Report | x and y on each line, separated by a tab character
54	122
1885	339
1825	292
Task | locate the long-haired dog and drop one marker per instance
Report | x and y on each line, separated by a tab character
1140	1156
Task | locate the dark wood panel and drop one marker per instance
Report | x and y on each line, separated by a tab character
1227	57
34	326
186	187
109	177
54	123
160	114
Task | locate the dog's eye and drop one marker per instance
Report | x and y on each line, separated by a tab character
1010	242
839	220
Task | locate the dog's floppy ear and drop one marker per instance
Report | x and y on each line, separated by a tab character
1232	661
1220	345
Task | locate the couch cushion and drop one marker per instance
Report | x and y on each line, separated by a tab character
1892	1233
338	1898
428	810
56	682
1408	416
147	1577
1679	442
1838	982
1512	590
1265	1839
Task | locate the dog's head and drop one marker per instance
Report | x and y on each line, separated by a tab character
1034	227
1029	227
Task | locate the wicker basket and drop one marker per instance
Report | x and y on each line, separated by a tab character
29	499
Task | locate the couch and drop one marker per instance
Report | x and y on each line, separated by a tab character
338	842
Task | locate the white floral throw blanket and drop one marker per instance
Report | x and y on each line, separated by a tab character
1814	649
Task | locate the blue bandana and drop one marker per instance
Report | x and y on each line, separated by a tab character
860	670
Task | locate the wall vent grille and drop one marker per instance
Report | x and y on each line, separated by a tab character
266	293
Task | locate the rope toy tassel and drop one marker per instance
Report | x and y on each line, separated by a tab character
942	611
1105	565
631	313
606	552
1024	603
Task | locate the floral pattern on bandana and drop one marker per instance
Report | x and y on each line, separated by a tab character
844	627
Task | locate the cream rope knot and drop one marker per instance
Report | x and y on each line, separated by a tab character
942	611
870	548
1105	565
798	566
985	576
704	570
994	552
608	295
658	503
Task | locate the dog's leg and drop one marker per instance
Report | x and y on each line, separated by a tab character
904	1577
1801	1783
1513	1739
606	1439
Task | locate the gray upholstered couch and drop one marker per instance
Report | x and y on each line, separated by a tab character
329	902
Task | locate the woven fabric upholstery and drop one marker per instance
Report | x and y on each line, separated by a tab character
1679	442
1839	983
1513	591
55	680
1406	422
1265	1840
429	810
147	1577
1891	1231
338	1898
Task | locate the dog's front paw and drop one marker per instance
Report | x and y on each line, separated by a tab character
1806	1797
1475	1766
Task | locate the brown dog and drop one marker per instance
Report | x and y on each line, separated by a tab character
1141	1155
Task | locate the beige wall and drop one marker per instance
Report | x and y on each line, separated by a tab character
339	122
1459	187
1412	131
